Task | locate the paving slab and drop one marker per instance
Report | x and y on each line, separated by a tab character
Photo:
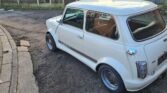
16	69
7	58
14	76
9	72
5	73
1	48
26	79
4	87
5	43
13	44
0	56
0	64
1	33
6	33
22	49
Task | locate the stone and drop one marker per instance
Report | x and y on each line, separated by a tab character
26	79
22	49
2	9
5	73
24	43
4	87
11	10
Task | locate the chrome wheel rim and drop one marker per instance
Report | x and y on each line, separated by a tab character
49	43
109	79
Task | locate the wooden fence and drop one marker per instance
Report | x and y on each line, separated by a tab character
158	1
38	2
57	1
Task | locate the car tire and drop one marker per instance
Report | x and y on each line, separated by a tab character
111	79
50	42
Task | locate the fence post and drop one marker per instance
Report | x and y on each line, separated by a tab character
18	2
63	3
50	1
1	2
38	2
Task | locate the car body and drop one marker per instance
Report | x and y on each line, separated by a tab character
136	49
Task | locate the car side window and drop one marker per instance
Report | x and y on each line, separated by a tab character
102	24
74	17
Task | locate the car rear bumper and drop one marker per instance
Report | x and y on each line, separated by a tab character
138	84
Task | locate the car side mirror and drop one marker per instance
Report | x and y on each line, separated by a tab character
61	21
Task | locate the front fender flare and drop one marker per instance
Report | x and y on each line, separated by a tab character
54	35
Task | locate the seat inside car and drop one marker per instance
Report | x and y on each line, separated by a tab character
104	27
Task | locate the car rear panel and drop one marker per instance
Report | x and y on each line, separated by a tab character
156	53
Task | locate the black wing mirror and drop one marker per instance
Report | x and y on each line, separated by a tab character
61	21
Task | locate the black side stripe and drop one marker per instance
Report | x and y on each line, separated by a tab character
88	57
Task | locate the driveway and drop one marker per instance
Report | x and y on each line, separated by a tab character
57	72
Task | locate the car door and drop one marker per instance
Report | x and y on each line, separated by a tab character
70	31
102	37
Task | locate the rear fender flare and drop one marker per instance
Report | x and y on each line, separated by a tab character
120	68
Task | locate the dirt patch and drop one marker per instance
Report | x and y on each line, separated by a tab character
58	72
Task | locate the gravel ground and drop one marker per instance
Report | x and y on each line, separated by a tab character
57	72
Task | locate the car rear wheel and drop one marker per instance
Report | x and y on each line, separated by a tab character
50	42
111	79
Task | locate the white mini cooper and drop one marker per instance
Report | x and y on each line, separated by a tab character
124	41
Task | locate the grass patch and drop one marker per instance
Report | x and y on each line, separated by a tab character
25	6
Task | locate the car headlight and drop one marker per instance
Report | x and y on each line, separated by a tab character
141	69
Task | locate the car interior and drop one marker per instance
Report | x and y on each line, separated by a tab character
102	25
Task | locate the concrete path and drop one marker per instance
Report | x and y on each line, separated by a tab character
16	70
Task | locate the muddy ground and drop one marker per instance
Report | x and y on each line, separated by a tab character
57	72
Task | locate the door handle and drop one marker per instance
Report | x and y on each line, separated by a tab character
80	37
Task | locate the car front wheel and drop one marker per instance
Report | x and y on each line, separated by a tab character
111	79
50	42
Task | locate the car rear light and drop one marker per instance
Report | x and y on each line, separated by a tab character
141	69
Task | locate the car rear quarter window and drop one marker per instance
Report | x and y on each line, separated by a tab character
102	24
74	17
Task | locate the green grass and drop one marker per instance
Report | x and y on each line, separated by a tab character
163	5
25	6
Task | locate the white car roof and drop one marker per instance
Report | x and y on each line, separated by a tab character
115	7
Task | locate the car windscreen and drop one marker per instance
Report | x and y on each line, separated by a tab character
146	25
